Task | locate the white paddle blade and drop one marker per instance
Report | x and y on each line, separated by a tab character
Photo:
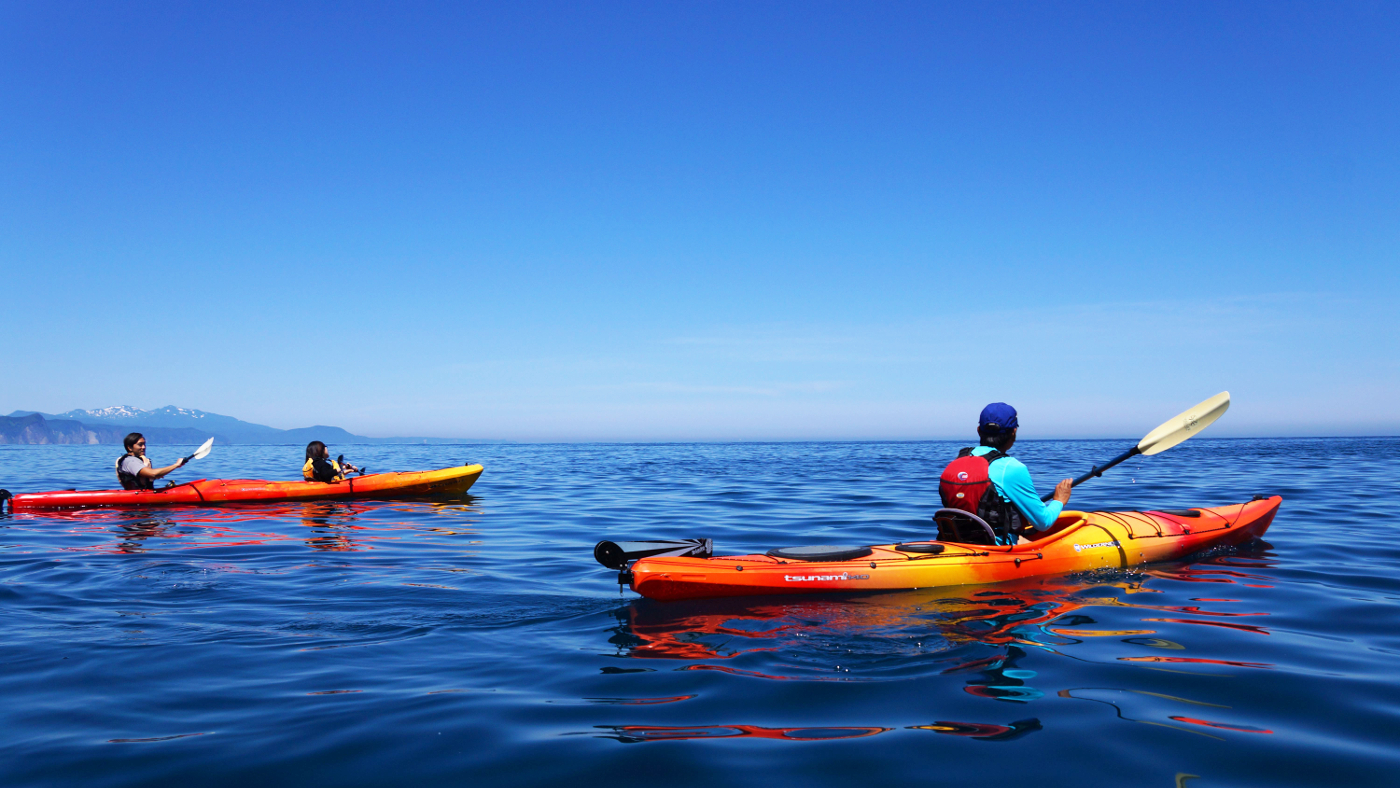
204	449
1185	425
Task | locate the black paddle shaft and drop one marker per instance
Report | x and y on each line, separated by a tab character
1098	470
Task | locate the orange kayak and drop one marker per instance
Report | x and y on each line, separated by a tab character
1079	541
207	492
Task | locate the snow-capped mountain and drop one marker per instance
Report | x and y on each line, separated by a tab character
118	412
226	427
126	413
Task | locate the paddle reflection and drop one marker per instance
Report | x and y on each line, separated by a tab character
1155	708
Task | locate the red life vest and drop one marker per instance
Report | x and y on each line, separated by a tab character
967	485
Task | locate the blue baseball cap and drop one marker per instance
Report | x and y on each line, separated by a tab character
998	416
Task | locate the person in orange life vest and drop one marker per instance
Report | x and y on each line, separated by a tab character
134	469
319	467
1008	501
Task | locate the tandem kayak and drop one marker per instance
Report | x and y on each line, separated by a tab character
1078	541
206	492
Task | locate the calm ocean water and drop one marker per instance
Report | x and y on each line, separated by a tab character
477	642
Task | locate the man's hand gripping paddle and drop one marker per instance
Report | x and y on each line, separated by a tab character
1173	431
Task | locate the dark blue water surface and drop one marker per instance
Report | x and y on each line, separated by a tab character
477	642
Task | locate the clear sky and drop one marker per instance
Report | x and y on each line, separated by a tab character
745	220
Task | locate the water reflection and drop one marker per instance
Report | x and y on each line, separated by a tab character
331	525
984	731
632	734
986	636
980	731
1001	679
1045	614
1154	708
937	631
324	526
913	624
132	536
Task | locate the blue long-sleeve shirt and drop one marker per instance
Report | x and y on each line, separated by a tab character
1013	480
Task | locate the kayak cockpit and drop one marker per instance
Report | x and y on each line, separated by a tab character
956	526
960	528
1065	522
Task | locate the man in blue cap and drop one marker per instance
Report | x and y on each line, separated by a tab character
985	481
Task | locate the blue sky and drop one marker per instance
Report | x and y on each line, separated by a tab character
661	221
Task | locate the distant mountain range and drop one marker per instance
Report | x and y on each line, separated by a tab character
34	428
169	425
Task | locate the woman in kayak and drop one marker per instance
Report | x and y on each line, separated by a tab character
134	469
319	467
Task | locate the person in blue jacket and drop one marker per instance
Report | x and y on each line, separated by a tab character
1011	478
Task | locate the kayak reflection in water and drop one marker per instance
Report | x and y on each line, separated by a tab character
319	467
1014	613
134	469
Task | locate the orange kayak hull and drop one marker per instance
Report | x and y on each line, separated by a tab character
1079	541
214	492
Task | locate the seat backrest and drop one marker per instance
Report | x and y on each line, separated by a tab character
956	525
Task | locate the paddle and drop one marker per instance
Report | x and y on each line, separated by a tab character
341	462
202	451
1173	431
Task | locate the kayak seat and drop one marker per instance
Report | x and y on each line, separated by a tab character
955	525
819	553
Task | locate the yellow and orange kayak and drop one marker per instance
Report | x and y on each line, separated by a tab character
1078	541
209	492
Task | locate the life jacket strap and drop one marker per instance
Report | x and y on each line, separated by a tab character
132	481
